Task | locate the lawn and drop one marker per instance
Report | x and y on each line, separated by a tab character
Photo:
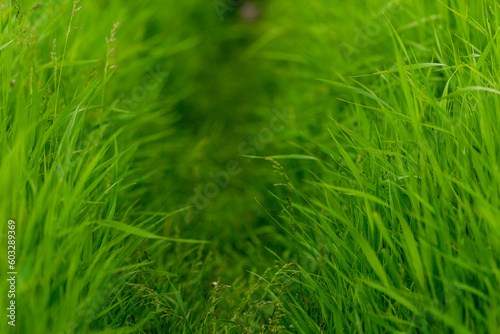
237	166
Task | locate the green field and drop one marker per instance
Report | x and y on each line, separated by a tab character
237	166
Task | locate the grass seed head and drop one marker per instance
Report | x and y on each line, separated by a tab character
35	7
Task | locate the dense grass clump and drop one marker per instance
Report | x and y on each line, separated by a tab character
250	166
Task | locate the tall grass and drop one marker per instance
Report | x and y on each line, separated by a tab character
375	211
397	226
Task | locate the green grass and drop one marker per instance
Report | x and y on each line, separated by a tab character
332	165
